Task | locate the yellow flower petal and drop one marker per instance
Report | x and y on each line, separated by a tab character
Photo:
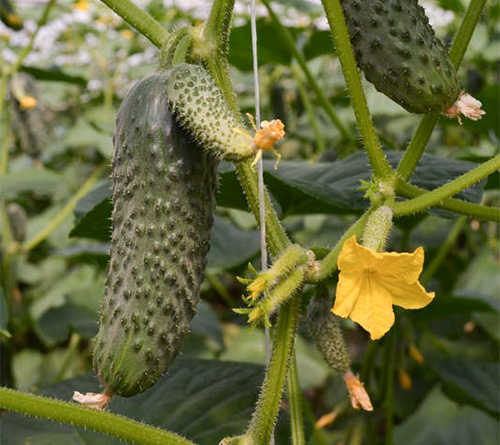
371	282
405	267
354	257
361	298
412	296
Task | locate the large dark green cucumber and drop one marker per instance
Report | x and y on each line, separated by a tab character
399	53
164	189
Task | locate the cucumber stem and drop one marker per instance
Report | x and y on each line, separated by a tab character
454	205
140	20
335	15
99	421
433	197
320	95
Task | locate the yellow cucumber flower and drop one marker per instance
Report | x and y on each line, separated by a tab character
371	282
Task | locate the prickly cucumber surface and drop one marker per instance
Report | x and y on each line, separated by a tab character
164	189
399	53
200	106
326	334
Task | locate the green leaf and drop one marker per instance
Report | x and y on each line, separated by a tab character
270	46
201	399
83	134
30	180
231	246
248	345
297	187
471	382
59	323
481	278
447	306
439	421
54	75
334	187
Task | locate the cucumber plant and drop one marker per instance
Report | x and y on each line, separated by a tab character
172	129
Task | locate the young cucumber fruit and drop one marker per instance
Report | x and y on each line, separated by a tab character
325	332
164	188
200	106
399	53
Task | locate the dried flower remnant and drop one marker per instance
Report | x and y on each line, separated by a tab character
357	392
415	354
370	283
270	132
92	399
466	105
27	103
404	380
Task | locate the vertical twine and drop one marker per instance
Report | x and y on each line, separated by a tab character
260	170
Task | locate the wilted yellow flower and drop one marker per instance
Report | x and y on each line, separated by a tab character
357	392
416	355
81	5
127	34
27	103
371	282
404	380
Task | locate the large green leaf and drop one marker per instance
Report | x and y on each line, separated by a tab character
439	421
334	187
298	188
248	345
201	399
472	382
54	75
30	180
271	46
231	246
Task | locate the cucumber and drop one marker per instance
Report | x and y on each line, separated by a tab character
325	331
164	188
396	48
200	106
28	125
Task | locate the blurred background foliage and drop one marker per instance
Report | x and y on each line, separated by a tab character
436	374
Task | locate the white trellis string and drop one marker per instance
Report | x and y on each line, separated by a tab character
260	169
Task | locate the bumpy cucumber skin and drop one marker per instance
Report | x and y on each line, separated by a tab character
199	105
399	53
164	188
326	334
28	126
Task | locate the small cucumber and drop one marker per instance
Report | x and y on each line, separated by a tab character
399	53
200	106
326	333
164	188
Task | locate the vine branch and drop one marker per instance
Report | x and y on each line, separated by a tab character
100	421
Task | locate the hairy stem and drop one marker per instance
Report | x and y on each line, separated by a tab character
212	46
99	421
451	204
295	401
435	196
266	411
140	20
421	137
320	95
380	166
